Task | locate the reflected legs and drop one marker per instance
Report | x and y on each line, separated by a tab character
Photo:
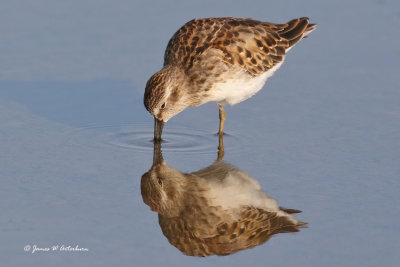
221	149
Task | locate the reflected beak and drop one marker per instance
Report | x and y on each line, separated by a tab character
158	127
157	154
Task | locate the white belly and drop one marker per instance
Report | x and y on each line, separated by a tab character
240	88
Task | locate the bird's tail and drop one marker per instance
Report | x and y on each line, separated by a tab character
296	29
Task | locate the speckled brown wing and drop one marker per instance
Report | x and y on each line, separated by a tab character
252	227
254	45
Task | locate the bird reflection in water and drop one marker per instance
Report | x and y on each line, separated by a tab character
217	210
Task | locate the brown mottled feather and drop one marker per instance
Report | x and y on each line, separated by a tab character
256	46
253	227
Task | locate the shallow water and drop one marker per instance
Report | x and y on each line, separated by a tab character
321	137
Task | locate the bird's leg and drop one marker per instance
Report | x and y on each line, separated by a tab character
222	116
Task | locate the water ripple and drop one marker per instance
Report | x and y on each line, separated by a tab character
138	137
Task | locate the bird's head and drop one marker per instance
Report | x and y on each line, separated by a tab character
164	97
162	189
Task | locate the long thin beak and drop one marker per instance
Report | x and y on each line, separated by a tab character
158	127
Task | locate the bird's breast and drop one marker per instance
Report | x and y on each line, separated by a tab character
237	87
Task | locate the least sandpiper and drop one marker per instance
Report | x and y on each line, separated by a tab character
217	210
224	60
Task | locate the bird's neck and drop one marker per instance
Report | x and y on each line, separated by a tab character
181	86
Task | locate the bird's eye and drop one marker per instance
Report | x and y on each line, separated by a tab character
163	106
160	182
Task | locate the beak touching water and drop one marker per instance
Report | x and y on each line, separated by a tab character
158	127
